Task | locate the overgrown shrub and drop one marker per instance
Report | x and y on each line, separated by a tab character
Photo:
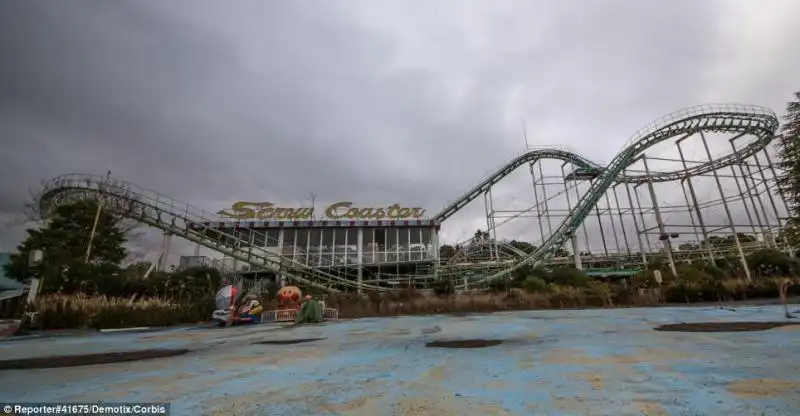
622	295
534	285
646	279
716	272
598	294
444	287
58	311
568	276
772	263
690	274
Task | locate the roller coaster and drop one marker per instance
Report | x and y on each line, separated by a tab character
501	259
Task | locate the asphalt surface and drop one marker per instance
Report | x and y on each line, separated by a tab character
589	362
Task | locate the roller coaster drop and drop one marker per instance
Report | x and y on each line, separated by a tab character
177	218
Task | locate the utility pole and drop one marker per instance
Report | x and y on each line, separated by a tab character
96	218
525	134
313	206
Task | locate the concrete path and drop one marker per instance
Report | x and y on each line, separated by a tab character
590	362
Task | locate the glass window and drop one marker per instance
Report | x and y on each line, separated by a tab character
288	237
340	246
272	237
352	237
403	238
288	241
340	237
230	238
369	236
427	242
301	245
314	236
352	245
367	257
414	244
259	237
416	235
390	239
326	249
242	236
327	239
390	248
314	240
380	236
402	244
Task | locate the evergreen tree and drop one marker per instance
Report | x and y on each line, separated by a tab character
63	241
789	163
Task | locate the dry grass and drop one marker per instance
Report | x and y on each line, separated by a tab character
58	311
351	306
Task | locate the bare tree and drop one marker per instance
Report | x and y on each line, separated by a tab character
31	212
34	212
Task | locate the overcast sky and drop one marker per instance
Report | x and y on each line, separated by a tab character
374	102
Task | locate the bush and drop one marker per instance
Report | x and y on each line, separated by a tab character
566	296
646	279
732	265
689	274
569	276
772	263
444	287
716	272
58	311
500	285
522	273
621	295
534	285
598	294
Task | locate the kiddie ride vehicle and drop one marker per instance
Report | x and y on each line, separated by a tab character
232	308
293	307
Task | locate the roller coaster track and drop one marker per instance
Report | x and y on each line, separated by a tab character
706	115
760	122
184	220
191	223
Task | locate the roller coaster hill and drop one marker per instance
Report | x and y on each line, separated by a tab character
352	254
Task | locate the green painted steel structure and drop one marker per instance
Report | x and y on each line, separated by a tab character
187	221
760	122
612	272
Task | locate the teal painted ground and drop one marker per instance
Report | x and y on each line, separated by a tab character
590	362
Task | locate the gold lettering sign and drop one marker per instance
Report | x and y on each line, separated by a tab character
265	211
345	210
339	211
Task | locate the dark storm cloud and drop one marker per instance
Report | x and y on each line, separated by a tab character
374	102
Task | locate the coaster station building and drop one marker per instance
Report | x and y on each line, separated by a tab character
384	246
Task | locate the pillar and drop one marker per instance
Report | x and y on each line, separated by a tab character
635	222
360	257
659	220
281	278
727	208
575	252
698	213
165	243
